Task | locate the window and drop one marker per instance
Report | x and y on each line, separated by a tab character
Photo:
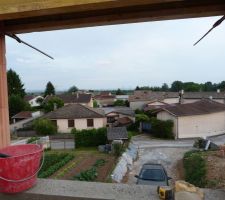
90	122
70	123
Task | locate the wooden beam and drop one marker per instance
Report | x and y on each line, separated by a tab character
75	14
4	112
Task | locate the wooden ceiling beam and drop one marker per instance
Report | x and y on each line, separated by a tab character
127	13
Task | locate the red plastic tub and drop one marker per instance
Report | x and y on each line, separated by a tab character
19	171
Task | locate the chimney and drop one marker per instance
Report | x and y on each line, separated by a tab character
218	90
181	99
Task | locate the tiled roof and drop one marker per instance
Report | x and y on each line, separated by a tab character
72	98
141	95
124	121
29	97
203	95
119	109
23	115
196	108
117	133
74	111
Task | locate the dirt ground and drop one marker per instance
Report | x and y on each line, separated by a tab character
84	160
215	171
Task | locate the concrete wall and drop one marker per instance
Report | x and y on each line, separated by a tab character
138	105
197	125
201	125
79	124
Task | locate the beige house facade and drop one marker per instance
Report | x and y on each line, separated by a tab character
64	126
76	116
198	119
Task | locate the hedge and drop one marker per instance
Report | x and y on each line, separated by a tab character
90	138
162	129
195	168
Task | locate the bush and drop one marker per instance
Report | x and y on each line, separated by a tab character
162	129
32	140
195	168
117	149
44	127
90	138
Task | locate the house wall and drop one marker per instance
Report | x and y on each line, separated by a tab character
138	105
171	100
166	116
80	124
201	125
33	102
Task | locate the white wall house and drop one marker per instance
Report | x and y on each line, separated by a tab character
33	100
76	116
199	119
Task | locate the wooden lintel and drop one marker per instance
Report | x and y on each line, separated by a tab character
74	14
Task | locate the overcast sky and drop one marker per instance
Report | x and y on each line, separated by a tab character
121	56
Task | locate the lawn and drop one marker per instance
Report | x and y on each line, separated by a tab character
87	164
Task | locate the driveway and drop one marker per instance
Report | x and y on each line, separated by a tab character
166	152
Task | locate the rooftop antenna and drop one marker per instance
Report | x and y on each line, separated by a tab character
218	22
15	37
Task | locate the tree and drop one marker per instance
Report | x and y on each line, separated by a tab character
119	92
50	89
221	86
208	86
72	89
53	103
191	87
95	104
44	127
119	103
17	104
165	87
15	85
137	88
177	86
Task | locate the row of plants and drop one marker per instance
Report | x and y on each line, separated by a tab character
90	174
195	168
90	138
53	162
32	140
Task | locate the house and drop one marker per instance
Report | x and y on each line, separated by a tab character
141	98
105	99
122	97
76	116
33	100
199	119
119	116
73	98
117	133
25	115
155	105
190	97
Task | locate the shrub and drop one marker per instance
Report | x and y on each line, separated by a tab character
32	139
162	129
90	138
44	127
117	149
141	118
195	168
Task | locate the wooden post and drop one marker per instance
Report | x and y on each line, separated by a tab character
4	110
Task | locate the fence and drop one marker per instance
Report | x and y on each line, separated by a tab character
57	144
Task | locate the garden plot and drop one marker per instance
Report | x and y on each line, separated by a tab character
89	165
